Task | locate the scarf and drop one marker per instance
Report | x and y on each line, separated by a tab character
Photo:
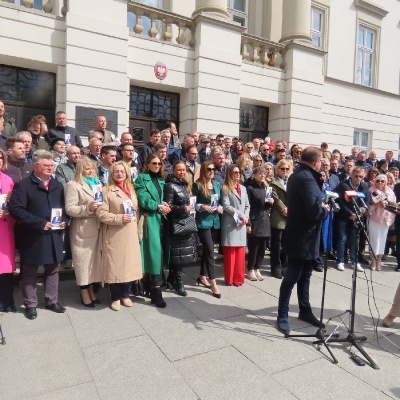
125	189
91	181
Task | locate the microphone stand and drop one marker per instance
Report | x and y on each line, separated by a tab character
321	332
2	338
352	338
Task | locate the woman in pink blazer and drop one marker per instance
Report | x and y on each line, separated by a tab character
7	243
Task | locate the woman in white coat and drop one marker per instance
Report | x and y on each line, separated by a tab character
84	229
233	228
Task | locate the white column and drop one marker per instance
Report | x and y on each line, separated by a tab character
296	21
216	8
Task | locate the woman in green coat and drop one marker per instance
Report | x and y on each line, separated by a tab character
149	187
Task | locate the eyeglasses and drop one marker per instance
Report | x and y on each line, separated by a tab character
236	172
298	151
211	169
284	169
358	176
45	166
156	163
262	173
250	147
380	181
264	149
256	160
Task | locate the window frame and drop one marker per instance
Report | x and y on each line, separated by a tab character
237	13
319	34
324	11
359	141
375	30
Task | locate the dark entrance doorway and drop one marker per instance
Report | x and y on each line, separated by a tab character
150	109
26	93
253	122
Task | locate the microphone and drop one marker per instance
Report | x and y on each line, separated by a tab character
361	197
350	194
330	200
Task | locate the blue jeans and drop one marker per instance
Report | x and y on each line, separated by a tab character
345	231
298	271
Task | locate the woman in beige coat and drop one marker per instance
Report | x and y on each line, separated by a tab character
121	259
85	229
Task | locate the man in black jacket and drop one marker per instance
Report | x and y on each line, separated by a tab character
145	151
31	204
18	168
306	210
344	219
61	130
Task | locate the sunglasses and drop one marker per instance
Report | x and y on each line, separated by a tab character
254	160
236	172
284	169
358	176
156	163
211	169
380	181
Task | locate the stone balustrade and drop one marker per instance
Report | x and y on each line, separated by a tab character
48	6
262	51
163	25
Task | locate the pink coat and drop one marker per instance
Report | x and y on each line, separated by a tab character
7	242
379	214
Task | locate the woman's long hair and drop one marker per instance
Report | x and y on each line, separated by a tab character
80	166
149	159
202	181
126	182
230	182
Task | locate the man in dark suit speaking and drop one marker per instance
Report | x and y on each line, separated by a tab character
306	210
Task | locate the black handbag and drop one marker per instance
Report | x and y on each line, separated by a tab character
184	224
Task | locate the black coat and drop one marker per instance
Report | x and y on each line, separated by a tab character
346	208
183	248
259	210
30	205
18	170
60	132
305	213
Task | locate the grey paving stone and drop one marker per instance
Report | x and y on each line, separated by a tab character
135	369
176	331
320	379
85	391
36	363
263	344
228	374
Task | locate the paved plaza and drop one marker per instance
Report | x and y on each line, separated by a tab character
199	347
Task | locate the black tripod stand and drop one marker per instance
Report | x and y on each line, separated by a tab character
321	333
2	338
351	337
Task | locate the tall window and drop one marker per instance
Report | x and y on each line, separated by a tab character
361	139
238	11
365	56
317	26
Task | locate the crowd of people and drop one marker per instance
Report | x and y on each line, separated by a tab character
169	203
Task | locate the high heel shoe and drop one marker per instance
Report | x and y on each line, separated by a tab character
90	305
216	295
200	282
96	301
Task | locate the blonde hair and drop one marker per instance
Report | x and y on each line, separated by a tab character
241	161
230	183
126	182
80	166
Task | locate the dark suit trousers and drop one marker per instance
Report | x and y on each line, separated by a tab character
256	246
6	290
298	271
207	238
28	284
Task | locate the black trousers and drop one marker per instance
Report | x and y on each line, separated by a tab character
119	291
256	246
6	290
207	264
278	257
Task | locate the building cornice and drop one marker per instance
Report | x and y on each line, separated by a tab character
372	8
361	87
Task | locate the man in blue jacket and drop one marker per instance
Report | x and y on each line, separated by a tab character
306	210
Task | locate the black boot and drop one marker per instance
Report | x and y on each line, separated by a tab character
276	266
146	285
156	298
179	287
